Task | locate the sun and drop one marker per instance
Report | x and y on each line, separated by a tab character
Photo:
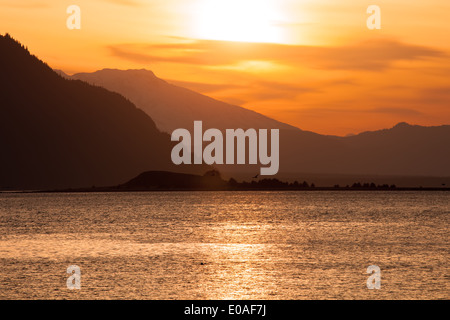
238	20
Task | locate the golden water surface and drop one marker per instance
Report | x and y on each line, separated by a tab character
225	245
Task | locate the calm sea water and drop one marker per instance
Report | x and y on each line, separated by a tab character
225	245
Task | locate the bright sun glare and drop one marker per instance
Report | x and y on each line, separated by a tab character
238	20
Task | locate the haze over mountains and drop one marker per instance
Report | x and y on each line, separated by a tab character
405	149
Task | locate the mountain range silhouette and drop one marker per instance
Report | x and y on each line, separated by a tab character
60	132
409	150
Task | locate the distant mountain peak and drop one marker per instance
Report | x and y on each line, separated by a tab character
402	125
137	73
133	71
173	107
129	78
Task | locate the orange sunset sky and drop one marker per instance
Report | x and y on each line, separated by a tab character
310	63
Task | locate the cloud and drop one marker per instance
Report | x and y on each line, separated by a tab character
412	97
395	111
340	82
376	55
437	92
346	112
274	90
434	97
252	90
204	87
